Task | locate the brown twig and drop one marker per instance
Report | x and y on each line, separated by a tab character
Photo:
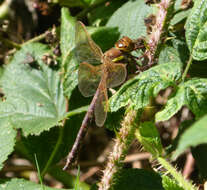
89	173
189	165
137	157
18	168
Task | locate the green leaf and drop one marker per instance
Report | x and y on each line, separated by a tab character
137	179
148	136
7	140
196	30
169	54
44	144
130	19
193	136
100	15
170	184
192	93
67	33
114	119
181	48
34	97
21	184
67	44
105	37
180	16
142	88
70	75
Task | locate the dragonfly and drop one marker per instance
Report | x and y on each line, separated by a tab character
97	72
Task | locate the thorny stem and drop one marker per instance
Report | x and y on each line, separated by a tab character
122	142
187	68
127	131
165	10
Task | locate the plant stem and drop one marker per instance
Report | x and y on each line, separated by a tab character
77	111
36	39
53	152
177	175
38	171
122	143
66	178
187	68
10	43
81	14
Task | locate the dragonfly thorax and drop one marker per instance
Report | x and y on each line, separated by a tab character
114	54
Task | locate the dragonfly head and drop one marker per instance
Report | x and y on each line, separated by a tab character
125	44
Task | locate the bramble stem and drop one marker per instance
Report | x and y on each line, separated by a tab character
187	185
163	16
121	146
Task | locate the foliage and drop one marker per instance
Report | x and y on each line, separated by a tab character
42	109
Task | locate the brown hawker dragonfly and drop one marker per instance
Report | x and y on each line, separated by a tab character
97	72
94	76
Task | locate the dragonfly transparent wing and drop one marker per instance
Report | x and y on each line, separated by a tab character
86	49
89	77
101	106
116	73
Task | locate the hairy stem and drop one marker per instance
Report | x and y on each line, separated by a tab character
122	143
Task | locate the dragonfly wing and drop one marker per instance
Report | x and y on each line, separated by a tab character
89	77
86	49
116	73
101	105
